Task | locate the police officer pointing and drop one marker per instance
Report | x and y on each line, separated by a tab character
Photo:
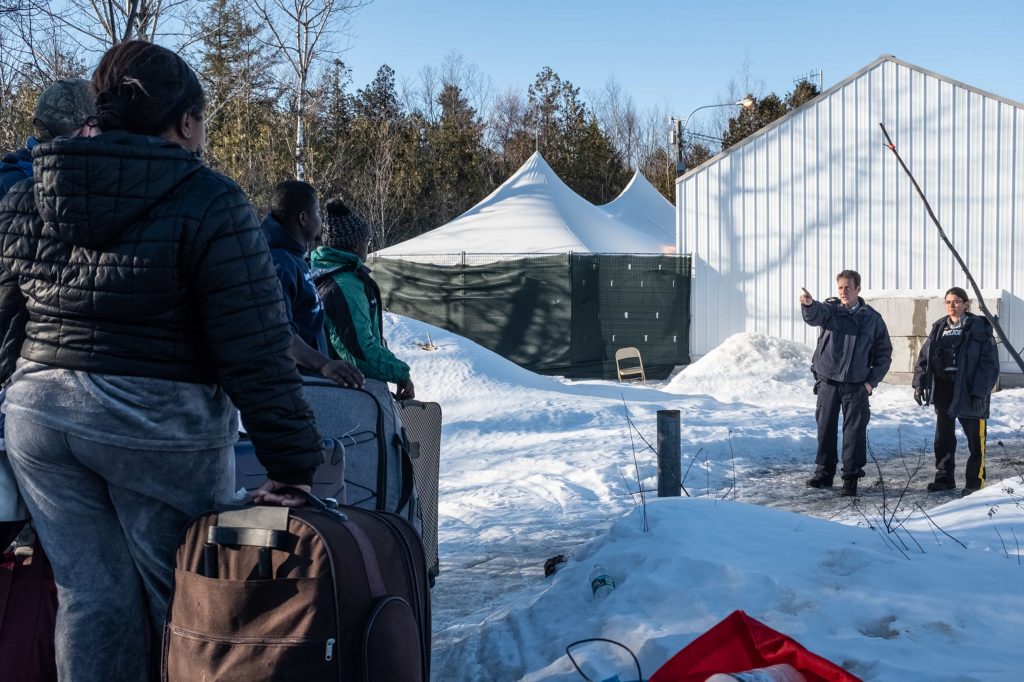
852	356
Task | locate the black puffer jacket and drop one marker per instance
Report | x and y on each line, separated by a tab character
141	261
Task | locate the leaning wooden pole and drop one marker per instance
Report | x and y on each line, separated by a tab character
956	254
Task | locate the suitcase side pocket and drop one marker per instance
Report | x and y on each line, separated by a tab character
391	642
248	629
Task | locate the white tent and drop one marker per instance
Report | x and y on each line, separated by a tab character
535	212
644	207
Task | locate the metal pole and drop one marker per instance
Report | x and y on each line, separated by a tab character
1010	348
670	466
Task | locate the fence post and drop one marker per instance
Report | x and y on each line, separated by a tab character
669	460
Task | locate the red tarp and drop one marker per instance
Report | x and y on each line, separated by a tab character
741	643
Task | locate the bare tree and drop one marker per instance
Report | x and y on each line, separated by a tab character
474	85
99	24
8	7
303	32
655	157
14	124
618	117
38	46
33	54
380	192
422	96
743	84
509	116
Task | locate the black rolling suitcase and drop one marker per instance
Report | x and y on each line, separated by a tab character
315	593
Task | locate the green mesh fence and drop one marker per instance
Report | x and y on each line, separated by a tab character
562	314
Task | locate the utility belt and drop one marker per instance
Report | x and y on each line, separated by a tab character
832	382
818	381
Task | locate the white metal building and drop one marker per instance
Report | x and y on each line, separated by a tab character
817	191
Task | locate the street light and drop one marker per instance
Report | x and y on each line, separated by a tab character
678	126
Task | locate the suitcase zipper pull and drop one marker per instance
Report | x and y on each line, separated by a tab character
329	651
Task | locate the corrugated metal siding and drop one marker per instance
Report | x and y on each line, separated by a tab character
818	192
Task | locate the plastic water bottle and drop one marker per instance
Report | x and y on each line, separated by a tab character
781	672
601	582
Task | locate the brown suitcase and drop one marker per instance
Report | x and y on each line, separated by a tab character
314	593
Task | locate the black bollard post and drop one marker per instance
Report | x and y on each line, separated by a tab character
669	460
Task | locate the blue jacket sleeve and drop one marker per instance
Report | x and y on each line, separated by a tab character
816	314
286	275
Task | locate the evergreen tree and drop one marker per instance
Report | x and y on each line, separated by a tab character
329	131
379	100
456	155
751	119
804	92
766	110
597	171
244	122
571	140
381	149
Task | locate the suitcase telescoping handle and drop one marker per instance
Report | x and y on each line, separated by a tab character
263	539
262	527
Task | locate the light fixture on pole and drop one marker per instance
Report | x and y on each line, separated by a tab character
679	125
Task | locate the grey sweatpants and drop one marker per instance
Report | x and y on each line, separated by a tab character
109	517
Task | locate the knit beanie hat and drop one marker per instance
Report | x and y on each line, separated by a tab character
343	228
63	107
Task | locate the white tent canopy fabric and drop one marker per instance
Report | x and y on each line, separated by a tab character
535	212
644	207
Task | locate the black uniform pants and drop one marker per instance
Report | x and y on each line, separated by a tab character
945	439
852	400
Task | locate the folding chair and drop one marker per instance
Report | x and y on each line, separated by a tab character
630	372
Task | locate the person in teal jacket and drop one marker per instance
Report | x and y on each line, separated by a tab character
355	321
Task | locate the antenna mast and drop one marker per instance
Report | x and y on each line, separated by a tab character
812	76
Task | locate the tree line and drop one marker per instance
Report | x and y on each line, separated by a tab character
409	155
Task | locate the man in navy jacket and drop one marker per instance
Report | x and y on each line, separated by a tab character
294	222
852	356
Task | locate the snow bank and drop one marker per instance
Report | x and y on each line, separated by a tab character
842	591
748	366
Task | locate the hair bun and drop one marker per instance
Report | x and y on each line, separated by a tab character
145	89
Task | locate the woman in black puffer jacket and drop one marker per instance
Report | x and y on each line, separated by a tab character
957	368
153	311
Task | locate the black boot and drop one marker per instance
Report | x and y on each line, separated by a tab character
849	487
820	480
940	484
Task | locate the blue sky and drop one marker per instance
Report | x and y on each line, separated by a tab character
681	55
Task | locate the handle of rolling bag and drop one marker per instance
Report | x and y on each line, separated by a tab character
255	532
327	504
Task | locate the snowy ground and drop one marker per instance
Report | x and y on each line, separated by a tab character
534	466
